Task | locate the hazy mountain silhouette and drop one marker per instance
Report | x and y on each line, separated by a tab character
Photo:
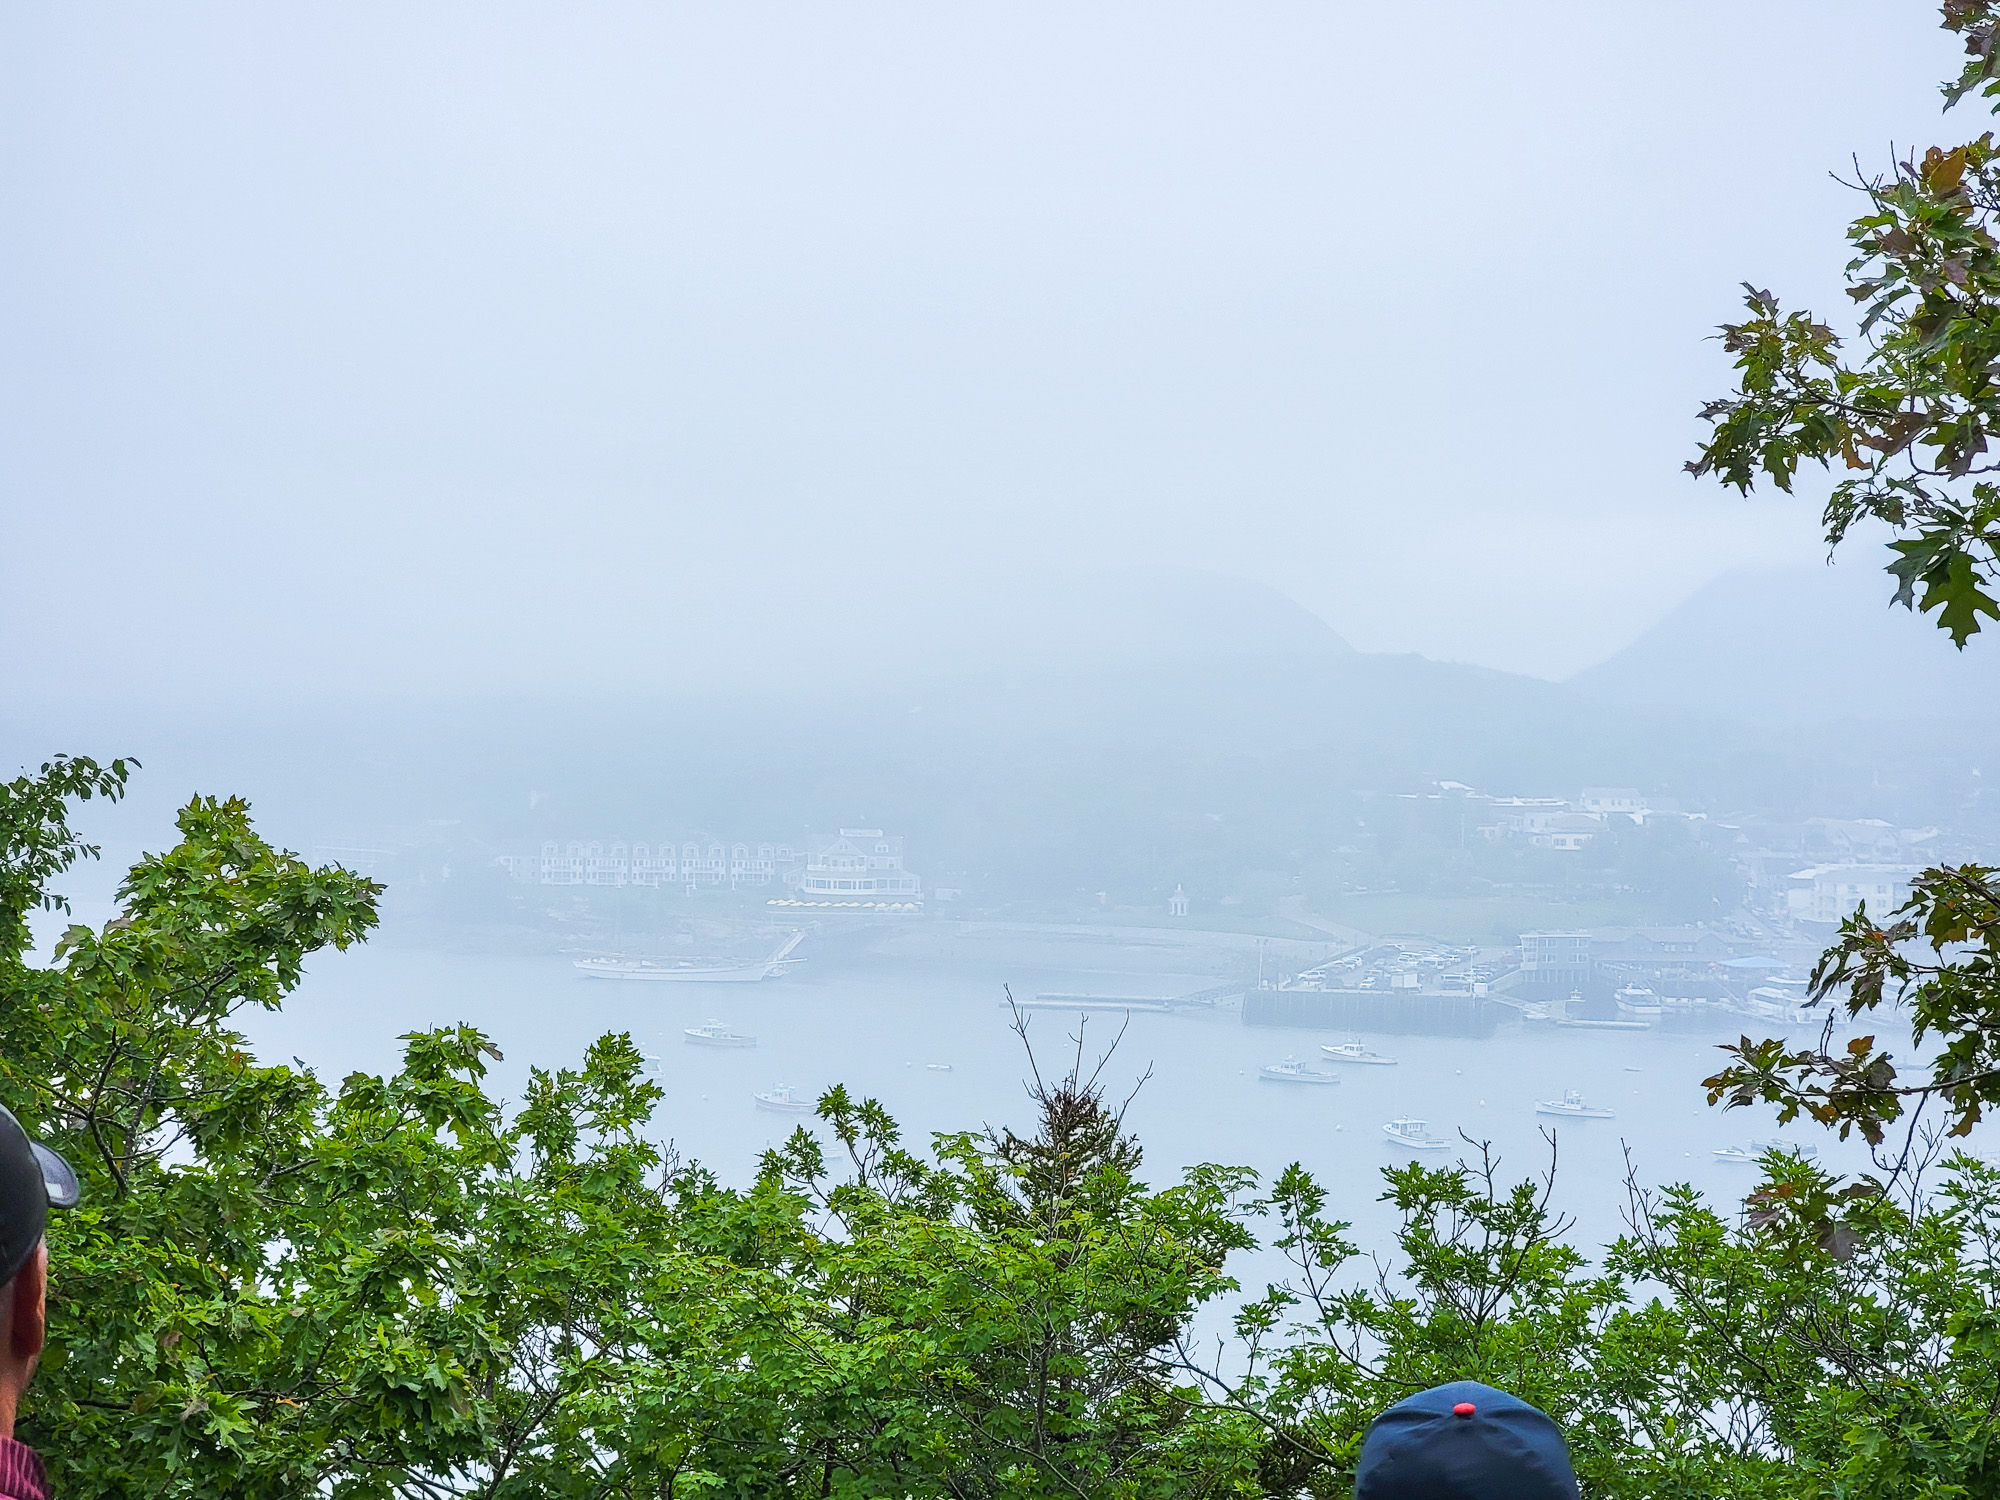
1061	726
1800	647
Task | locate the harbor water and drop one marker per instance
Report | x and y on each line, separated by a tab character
890	1028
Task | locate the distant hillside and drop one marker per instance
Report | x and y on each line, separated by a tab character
1800	647
1092	733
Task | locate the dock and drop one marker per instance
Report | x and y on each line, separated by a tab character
1391	1012
1096	1002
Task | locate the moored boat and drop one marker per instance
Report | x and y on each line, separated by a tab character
1572	1107
689	970
784	1100
716	1034
1354	1052
1754	1152
1415	1134
1291	1070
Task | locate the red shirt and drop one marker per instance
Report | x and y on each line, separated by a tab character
21	1476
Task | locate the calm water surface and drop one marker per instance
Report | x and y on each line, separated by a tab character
877	1025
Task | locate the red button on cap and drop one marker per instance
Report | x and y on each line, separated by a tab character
1464	1409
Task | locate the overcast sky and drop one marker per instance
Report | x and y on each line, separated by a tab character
407	347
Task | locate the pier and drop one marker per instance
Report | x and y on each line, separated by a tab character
1402	1013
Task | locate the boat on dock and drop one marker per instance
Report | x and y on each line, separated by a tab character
716	1034
1291	1070
784	1100
1636	1003
690	970
1572	1107
1414	1134
1354	1052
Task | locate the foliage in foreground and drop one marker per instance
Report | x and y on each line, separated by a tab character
400	1288
1910	414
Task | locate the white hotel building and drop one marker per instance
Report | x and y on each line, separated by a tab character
858	866
861	864
691	862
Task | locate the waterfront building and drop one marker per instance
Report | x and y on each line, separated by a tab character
1555	962
1830	893
1602	801
1566	831
692	863
858	864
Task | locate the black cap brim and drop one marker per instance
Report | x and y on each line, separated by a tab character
58	1177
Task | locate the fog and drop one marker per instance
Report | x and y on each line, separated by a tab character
367	351
1208	479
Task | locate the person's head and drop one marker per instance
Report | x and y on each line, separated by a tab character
1464	1441
33	1179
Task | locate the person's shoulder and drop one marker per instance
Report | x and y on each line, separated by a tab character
21	1476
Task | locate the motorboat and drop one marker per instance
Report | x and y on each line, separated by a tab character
1572	1107
1354	1052
1636	1003
716	1034
937	1067
1754	1152
1415	1134
1291	1070
689	970
784	1100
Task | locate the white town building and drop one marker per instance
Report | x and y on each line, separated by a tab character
1830	893
858	864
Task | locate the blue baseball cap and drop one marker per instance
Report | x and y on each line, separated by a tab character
1464	1441
33	1179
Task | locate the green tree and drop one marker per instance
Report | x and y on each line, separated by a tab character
1004	1319
1910	414
1825	1342
399	1288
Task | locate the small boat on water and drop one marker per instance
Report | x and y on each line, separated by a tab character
937	1067
1354	1052
784	1100
689	970
1291	1070
1804	1150
716	1034
1572	1107
1415	1134
1754	1152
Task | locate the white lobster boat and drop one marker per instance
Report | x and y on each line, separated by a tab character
1291	1070
1354	1052
1572	1107
784	1100
688	970
1414	1134
716	1034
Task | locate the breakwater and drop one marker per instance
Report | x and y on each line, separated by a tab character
1372	1010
